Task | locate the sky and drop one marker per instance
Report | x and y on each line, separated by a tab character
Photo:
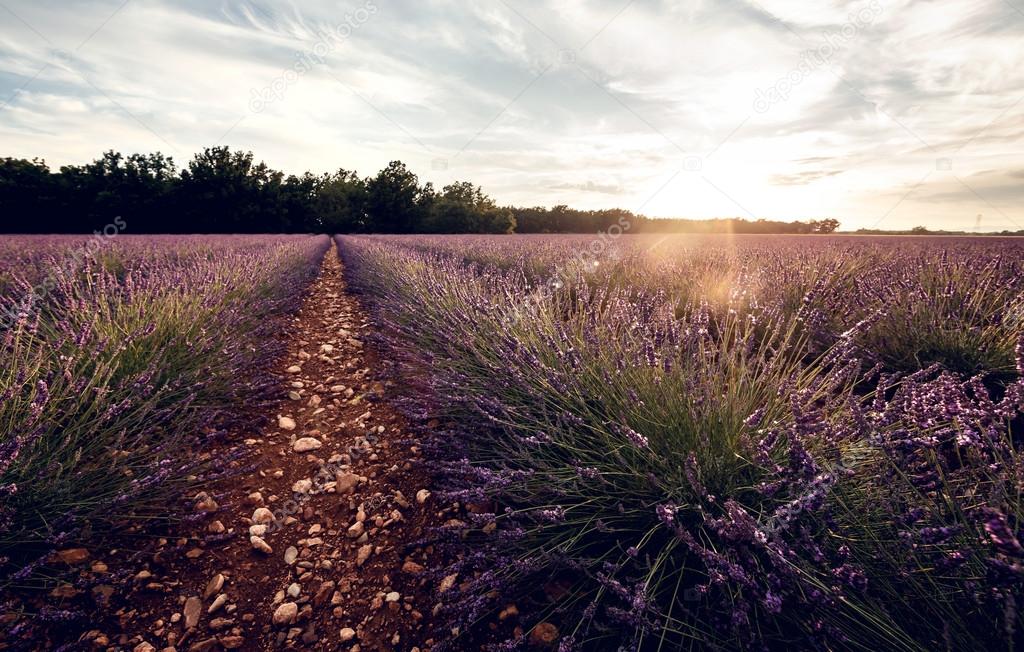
879	113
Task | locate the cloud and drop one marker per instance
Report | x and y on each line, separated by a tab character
803	178
591	186
573	102
999	189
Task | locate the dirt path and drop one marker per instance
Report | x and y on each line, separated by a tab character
310	548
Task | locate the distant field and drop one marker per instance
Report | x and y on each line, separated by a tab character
723	441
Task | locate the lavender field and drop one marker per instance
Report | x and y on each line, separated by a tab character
720	442
515	326
118	360
632	442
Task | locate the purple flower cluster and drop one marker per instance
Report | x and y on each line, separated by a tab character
738	442
115	375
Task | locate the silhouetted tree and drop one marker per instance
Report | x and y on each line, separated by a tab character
340	202
226	191
395	203
828	225
220	189
464	208
31	197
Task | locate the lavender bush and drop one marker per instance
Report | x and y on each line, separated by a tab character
956	302
724	446
119	369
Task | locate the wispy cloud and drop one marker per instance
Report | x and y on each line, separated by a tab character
591	186
803	178
584	102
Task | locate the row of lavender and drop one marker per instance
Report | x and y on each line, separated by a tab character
723	443
120	360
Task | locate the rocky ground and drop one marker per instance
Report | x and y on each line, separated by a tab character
312	546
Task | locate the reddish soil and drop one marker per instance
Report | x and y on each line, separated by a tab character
337	570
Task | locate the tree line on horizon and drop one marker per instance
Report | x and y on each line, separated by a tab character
226	191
